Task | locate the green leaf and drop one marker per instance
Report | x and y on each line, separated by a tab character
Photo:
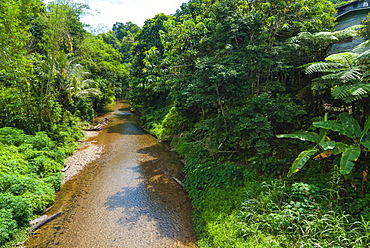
328	145
366	128
301	160
323	132
348	159
366	137
334	126
351	123
339	148
301	135
366	144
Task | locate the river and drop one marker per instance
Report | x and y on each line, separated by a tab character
125	198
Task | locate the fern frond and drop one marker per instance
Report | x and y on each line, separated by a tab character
347	58
360	89
351	75
340	92
365	56
348	32
363	47
351	93
322	67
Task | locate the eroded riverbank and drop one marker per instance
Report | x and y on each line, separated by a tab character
125	198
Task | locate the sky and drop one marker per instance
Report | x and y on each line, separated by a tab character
104	13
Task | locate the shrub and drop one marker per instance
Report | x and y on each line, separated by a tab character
30	168
11	136
172	124
8	226
204	174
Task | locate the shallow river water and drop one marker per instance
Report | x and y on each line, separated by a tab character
125	198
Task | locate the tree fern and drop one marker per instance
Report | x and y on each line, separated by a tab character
351	93
351	75
346	59
322	67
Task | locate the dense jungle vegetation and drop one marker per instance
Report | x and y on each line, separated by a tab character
273	128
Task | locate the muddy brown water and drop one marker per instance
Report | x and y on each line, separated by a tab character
125	198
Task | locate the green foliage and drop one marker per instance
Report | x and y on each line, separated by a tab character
273	214
8	226
350	152
291	214
201	175
30	168
172	124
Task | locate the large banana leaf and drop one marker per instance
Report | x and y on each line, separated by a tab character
334	126
328	145
339	148
301	160
366	144
365	139
366	128
323	132
351	123
301	135
348	159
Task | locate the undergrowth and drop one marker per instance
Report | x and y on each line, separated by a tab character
236	207
30	169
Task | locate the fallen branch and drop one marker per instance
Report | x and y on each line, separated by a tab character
43	221
65	168
100	125
179	182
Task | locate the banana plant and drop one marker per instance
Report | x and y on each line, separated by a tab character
357	140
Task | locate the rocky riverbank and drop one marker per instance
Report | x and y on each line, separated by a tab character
87	153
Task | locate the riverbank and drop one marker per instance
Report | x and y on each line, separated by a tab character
87	153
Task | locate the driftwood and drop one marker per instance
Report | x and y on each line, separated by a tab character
179	182
42	221
99	126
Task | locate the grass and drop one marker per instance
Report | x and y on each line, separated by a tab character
272	214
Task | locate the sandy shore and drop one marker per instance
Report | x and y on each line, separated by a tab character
88	152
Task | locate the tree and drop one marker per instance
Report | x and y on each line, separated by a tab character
148	42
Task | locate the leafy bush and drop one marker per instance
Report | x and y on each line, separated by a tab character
40	141
188	148
11	136
204	174
172	124
30	168
8	226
